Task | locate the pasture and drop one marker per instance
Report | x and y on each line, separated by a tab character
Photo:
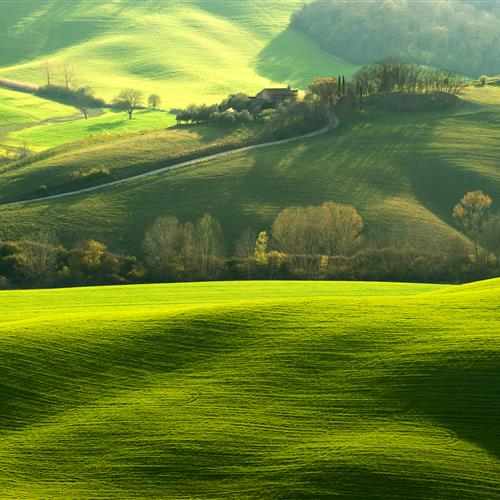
251	390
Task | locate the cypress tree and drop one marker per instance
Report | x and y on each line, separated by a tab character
343	85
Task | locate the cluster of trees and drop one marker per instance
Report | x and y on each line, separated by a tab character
236	109
284	120
463	36
312	242
175	251
39	260
393	75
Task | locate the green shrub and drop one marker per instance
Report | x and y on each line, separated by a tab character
91	173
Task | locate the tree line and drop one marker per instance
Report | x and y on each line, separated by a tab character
462	36
392	75
303	242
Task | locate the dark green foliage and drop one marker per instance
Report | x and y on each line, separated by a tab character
393	75
451	34
71	97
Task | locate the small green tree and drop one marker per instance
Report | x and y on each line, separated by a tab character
128	100
470	213
154	101
483	79
260	252
83	98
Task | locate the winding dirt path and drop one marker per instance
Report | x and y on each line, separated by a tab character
334	123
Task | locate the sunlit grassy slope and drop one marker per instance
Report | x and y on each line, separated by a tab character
404	172
122	154
50	135
192	50
251	390
17	108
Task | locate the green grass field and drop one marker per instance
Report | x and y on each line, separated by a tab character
185	51
251	390
122	154
111	122
18	108
404	172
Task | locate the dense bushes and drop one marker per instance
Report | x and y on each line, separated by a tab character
452	34
99	172
70	96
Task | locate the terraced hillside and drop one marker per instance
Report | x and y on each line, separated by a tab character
251	390
194	50
403	171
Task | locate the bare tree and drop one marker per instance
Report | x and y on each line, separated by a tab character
339	229
38	257
162	244
68	75
48	69
245	246
208	245
128	100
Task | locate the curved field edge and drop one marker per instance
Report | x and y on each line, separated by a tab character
359	395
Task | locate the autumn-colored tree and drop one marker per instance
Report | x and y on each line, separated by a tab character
38	257
470	213
162	245
325	89
208	245
340	227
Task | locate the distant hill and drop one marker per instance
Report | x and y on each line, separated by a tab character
456	35
251	390
194	50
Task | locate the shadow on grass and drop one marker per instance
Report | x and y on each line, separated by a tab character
294	58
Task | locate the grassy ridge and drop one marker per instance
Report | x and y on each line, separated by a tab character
404	172
293	390
194	50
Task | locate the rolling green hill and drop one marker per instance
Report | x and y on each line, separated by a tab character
195	50
403	171
46	136
251	390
